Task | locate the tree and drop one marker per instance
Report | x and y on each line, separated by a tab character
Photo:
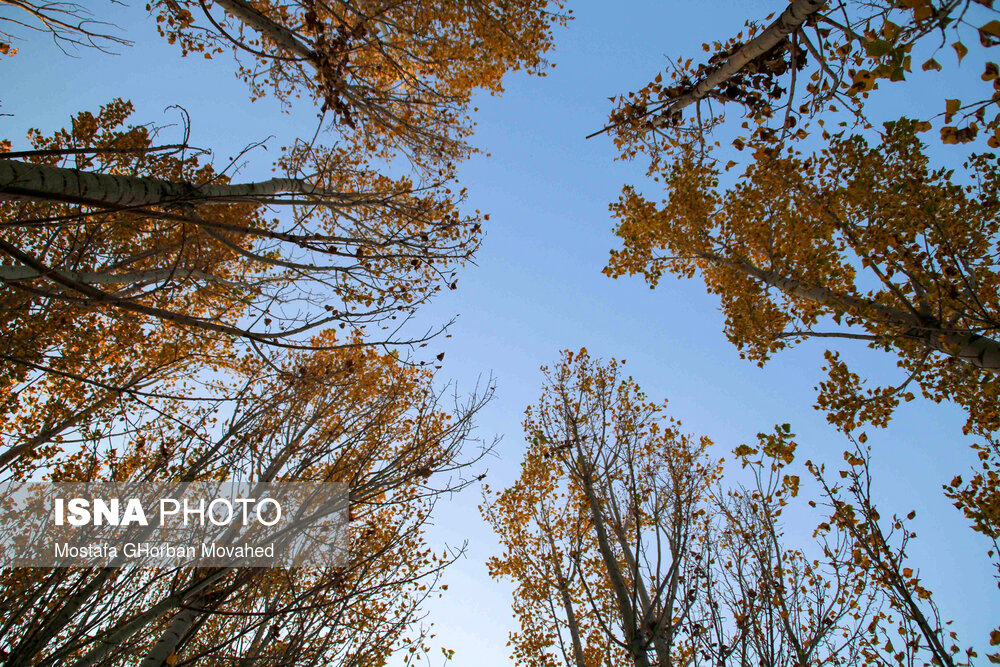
815	243
170	323
144	237
815	59
348	415
333	408
627	546
880	550
856	242
111	282
603	531
840	237
399	75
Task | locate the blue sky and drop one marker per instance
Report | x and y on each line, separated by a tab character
538	288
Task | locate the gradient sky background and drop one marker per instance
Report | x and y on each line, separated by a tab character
538	286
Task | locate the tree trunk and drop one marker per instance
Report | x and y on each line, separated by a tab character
275	32
633	640
980	351
34	182
794	16
648	613
135	278
567	602
179	627
574	626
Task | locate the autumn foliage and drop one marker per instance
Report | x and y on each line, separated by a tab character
165	319
817	223
627	545
399	75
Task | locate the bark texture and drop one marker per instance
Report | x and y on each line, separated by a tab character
275	32
33	182
794	16
980	351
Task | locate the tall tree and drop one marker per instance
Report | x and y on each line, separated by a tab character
347	415
840	237
399	75
111	282
628	547
605	525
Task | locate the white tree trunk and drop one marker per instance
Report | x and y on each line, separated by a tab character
134	278
179	626
33	182
980	351
275	32
629	617
794	16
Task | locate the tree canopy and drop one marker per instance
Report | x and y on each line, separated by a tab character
627	545
166	320
834	231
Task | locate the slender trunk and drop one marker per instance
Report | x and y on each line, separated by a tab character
574	626
275	32
262	638
790	20
633	640
567	602
35	182
879	554
648	614
980	351
134	278
179	627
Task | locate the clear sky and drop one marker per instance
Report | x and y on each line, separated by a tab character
538	288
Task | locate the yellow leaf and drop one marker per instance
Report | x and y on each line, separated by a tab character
952	106
992	28
960	49
863	81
